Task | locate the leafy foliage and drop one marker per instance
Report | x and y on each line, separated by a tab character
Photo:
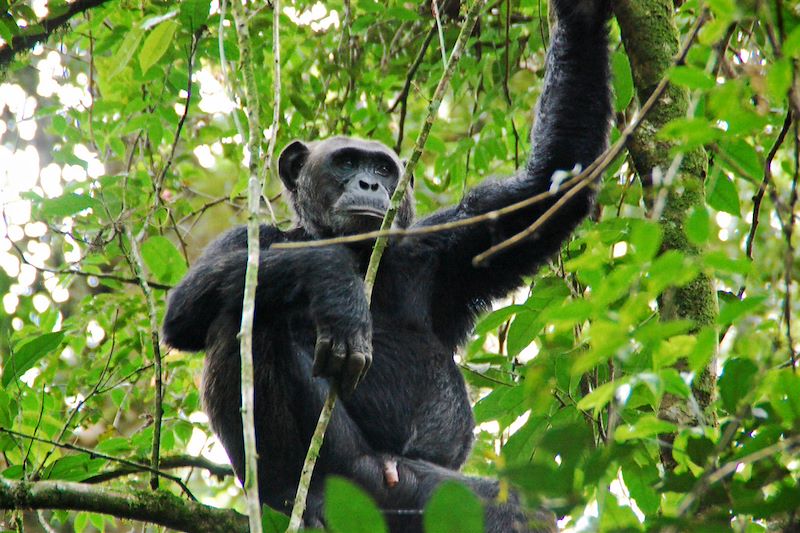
130	118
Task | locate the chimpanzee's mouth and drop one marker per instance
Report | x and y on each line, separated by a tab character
366	211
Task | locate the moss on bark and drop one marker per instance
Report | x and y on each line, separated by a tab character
651	40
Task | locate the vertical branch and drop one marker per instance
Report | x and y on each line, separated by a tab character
377	252
251	275
137	264
788	231
762	188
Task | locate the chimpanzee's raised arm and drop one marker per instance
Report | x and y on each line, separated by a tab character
571	130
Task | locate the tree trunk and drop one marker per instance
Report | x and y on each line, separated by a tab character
651	41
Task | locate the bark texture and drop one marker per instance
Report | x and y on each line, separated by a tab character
159	507
651	41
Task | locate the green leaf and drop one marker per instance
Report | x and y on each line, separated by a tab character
674	383
500	402
348	509
496	318
156	44
67	205
74	467
8	28
8	410
599	397
301	106
163	259
724	197
690	131
734	309
645	239
524	329
125	52
698	449
26	355
691	77
646	426
744	161
453	509
616	517
670	351
791	45
704	349
779	79
194	13
736	382
402	13
273	521
623	80
640	480
698	225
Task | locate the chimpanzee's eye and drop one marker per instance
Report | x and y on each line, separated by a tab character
346	162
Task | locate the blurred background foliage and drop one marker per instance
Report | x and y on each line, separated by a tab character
127	123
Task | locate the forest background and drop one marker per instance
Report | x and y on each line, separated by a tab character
646	378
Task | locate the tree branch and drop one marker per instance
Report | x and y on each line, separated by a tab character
136	262
42	29
247	385
160	507
167	463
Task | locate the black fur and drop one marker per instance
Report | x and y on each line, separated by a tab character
412	405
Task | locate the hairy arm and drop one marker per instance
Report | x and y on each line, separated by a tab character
324	281
571	129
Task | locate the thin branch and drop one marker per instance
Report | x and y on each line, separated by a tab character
442	46
762	188
377	252
136	262
789	256
141	467
80	404
83	273
42	29
247	385
729	468
178	461
160	508
159	183
402	98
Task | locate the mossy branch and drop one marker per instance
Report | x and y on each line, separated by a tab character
158	507
650	38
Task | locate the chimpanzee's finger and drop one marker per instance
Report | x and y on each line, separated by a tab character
336	361
321	354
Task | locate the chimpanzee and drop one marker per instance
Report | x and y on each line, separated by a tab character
315	330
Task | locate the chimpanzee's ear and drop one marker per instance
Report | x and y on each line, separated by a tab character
405	162
290	163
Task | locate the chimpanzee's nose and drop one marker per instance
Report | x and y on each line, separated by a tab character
368	184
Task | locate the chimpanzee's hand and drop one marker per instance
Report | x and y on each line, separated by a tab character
344	356
581	13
